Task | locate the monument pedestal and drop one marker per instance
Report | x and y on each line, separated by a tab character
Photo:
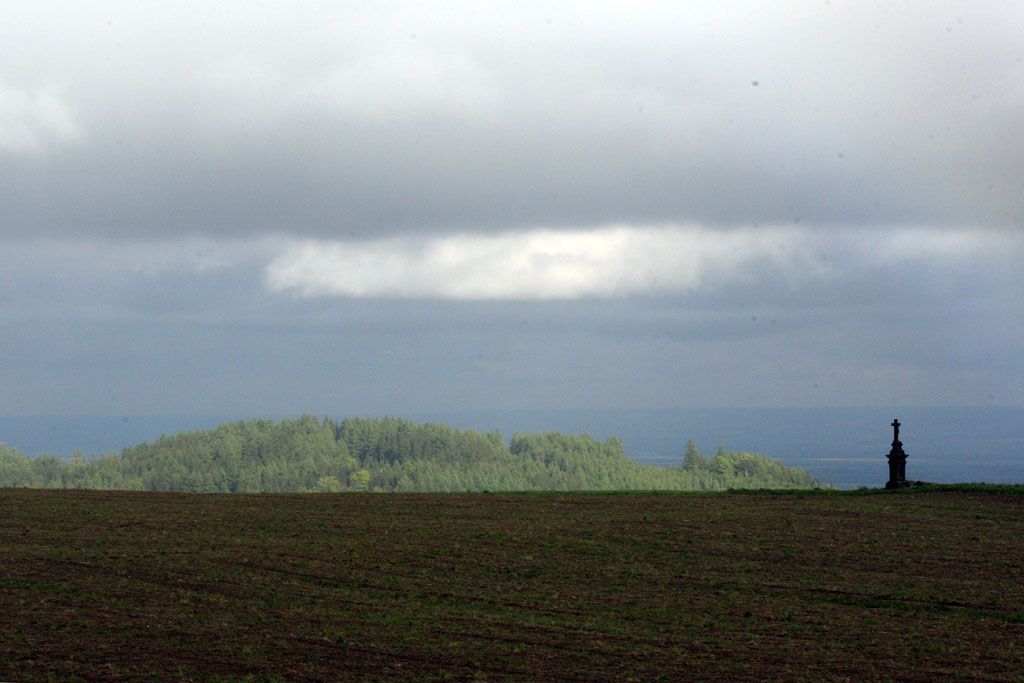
897	467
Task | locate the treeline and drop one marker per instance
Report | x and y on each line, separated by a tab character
311	455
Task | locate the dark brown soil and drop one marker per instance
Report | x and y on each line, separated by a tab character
921	586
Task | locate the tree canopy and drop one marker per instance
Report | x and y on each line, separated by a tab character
307	454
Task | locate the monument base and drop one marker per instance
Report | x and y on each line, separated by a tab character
897	466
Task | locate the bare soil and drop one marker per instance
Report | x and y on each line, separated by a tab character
905	585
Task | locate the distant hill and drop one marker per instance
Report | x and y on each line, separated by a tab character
311	455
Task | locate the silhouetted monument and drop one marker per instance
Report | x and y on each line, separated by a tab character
897	461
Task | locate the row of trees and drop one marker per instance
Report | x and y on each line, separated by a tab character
311	455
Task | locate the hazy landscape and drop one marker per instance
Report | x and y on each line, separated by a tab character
844	447
462	340
351	576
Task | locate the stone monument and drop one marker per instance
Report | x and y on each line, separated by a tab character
897	461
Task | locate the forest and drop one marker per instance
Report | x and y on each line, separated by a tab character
309	454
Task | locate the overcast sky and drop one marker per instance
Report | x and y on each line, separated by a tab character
363	208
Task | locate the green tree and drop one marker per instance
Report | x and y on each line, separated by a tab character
359	480
329	484
692	458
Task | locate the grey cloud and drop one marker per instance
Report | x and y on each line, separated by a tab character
336	122
385	357
207	138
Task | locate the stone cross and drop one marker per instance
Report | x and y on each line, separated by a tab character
897	461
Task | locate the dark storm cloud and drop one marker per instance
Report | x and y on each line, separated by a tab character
243	356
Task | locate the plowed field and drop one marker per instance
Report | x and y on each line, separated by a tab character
911	585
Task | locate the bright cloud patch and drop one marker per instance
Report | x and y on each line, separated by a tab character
33	119
538	264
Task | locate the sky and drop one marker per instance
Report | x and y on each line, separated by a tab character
257	208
